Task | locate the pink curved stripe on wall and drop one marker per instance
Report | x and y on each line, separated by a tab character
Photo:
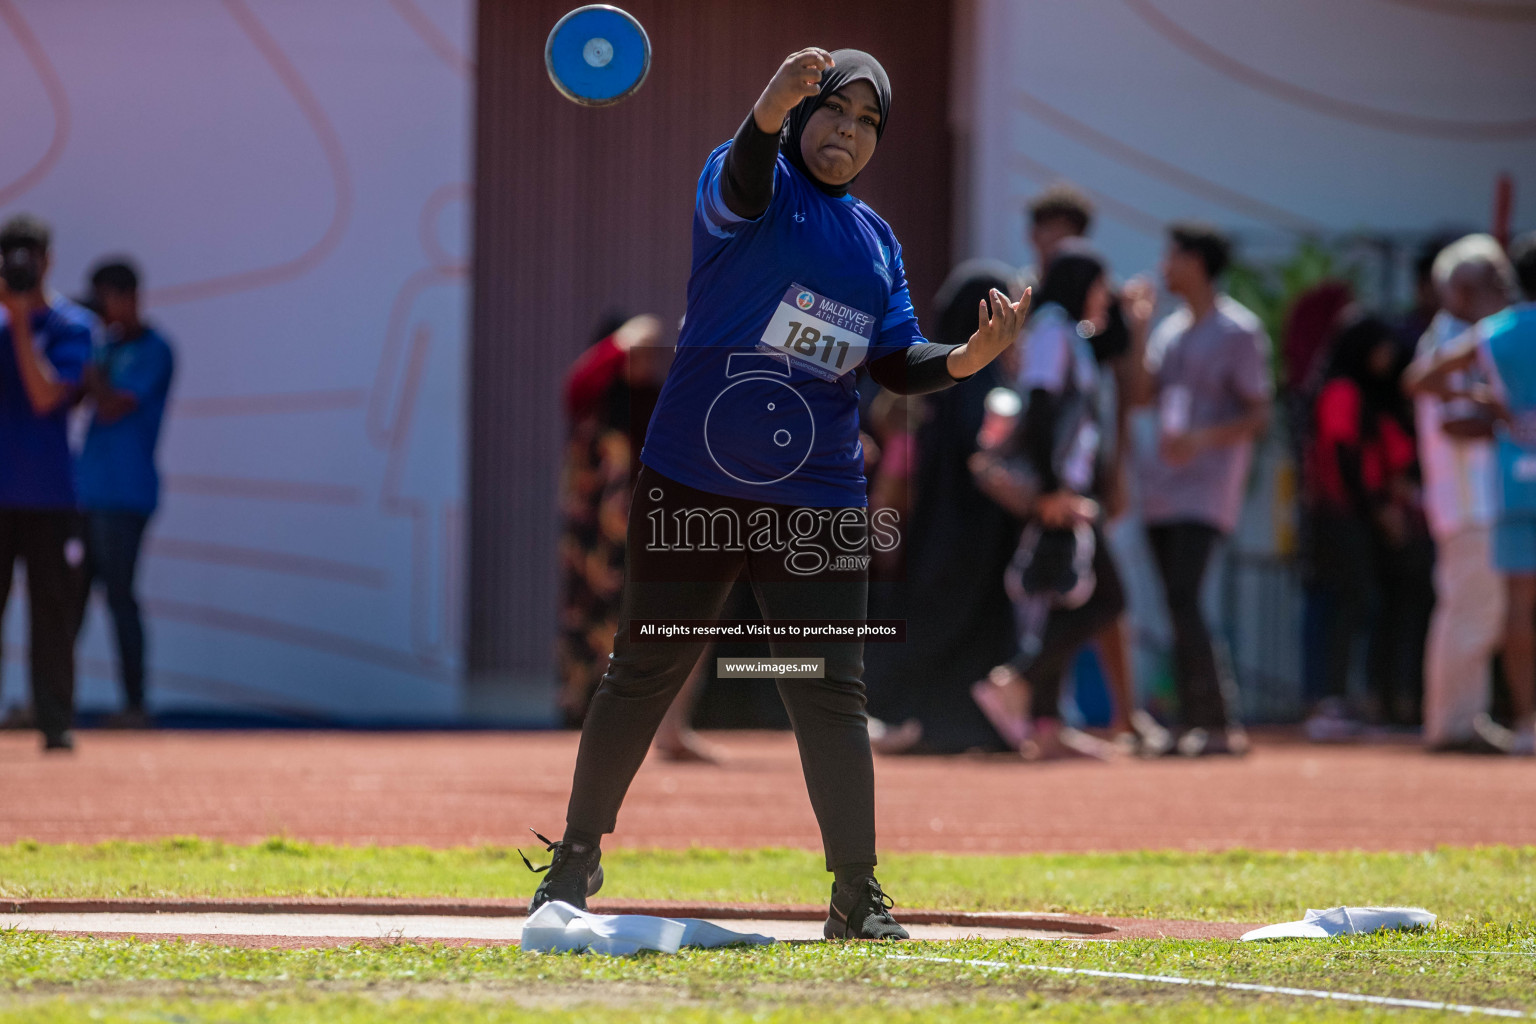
296	636
384	404
393	502
1486	10
426	226
1132	217
1300	96
299	491
1154	167
53	88
335	158
279	563
206	686
283	403
433	36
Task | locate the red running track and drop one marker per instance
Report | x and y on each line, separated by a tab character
451	789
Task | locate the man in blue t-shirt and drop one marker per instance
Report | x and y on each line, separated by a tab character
128	382
45	341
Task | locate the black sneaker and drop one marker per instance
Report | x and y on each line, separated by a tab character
574	872
868	915
59	742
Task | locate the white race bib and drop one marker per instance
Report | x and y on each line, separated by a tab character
822	336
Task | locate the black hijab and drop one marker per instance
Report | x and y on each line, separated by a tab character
1353	345
849	66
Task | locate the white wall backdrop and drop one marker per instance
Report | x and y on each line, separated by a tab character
1269	118
293	179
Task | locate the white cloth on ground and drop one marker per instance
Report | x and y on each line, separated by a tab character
1324	924
558	927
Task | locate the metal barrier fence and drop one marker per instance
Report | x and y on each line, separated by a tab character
1262	609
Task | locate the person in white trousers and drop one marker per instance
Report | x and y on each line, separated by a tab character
1472	276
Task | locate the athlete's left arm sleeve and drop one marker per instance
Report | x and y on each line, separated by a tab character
901	359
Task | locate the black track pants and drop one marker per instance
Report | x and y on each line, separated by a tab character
644	676
40	538
1207	693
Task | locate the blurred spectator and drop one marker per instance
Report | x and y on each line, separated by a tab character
890	483
1313	321
127	385
610	393
1460	499
45	342
1058	216
1371	549
1063	571
1427	295
1207	368
1504	347
959	620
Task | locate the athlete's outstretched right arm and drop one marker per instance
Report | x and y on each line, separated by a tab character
747	184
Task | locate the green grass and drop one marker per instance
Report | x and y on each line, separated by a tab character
1483	952
67	978
1077	1008
1484	884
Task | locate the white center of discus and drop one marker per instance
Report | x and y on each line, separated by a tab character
598	51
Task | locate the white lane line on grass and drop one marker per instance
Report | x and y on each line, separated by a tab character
1231	986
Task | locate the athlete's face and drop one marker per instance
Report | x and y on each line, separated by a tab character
840	136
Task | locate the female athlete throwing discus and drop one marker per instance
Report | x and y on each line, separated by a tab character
752	459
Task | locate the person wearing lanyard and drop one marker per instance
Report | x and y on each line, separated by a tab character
752	460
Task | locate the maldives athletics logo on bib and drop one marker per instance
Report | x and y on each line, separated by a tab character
805	300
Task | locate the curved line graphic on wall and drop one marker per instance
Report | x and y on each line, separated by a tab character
330	146
383	403
437	41
1155	167
239	694
1300	96
283	403
53	88
1483	10
1132	217
293	635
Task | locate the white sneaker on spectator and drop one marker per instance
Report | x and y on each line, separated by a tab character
1331	723
885	738
1004	698
1153	739
1517	743
1199	742
1050	740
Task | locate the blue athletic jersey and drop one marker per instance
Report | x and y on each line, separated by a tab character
1508	341
35	467
761	402
117	468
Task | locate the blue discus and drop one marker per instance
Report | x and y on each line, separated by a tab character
597	55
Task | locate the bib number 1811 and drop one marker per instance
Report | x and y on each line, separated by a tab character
804	340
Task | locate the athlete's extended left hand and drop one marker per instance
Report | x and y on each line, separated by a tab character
996	329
